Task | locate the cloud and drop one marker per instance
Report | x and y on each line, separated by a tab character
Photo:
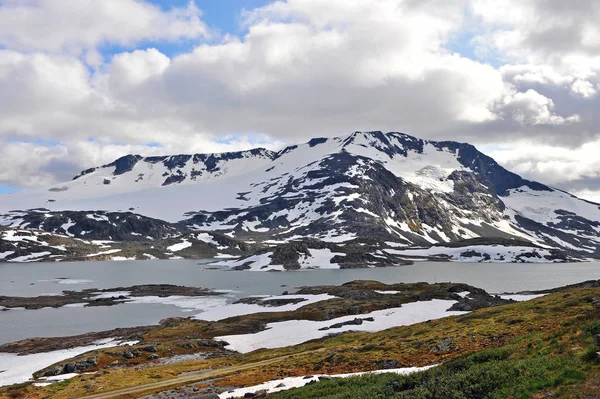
302	68
74	25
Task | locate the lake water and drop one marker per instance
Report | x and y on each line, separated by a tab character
32	279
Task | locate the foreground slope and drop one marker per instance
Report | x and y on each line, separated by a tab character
387	186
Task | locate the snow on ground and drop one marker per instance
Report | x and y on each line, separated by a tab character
520	297
320	259
294	332
540	205
387	292
316	259
297	382
207	238
256	263
239	309
16	369
108	295
181	246
30	258
497	253
111	251
45	381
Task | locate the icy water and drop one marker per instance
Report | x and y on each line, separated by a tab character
32	279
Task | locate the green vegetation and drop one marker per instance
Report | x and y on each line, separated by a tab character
489	374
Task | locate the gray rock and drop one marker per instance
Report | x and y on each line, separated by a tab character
443	346
151	349
68	368
52	372
91	361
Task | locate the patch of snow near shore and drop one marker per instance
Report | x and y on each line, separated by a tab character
30	258
45	381
294	332
15	369
179	247
497	253
521	297
320	258
111	251
108	295
298	382
256	262
239	309
387	292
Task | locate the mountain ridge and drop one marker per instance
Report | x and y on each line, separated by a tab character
387	186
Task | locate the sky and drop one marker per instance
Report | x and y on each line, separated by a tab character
83	82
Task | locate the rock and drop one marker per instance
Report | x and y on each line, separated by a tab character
153	357
69	368
597	339
356	322
80	366
52	372
211	343
280	385
250	395
206	396
443	346
151	349
128	355
91	361
285	293
387	364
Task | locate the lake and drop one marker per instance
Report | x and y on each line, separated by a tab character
32	279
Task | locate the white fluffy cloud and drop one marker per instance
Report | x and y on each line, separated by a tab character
303	68
75	25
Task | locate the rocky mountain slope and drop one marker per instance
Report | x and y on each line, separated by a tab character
384	187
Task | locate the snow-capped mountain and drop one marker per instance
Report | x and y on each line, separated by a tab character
369	185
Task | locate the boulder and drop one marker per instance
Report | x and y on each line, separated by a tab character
68	368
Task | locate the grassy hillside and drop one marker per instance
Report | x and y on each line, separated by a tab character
536	349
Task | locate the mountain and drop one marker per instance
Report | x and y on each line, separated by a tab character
385	187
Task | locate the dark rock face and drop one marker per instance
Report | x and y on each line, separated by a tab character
124	164
99	225
317	141
356	322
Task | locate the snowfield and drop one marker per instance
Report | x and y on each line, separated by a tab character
16	369
294	332
496	253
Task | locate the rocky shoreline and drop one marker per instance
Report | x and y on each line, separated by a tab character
102	297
